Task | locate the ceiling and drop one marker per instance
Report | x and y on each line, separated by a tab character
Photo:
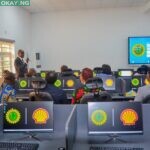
58	5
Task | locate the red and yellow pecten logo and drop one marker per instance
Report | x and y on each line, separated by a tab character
40	116
129	117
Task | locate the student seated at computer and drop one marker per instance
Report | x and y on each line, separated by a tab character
78	94
106	70
31	73
142	70
8	87
144	90
63	68
59	96
96	92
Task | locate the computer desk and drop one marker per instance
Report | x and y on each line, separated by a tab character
122	98
48	140
84	141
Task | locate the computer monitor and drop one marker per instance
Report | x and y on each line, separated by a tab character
43	73
109	83
28	117
125	72
145	80
25	84
105	118
76	73
139	50
136	82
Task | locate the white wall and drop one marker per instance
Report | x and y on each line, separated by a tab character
86	37
15	24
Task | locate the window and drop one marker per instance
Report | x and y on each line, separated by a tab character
6	55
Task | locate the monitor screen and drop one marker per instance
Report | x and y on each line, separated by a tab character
109	83
125	72
136	82
139	50
115	118
28	116
76	73
145	81
25	84
43	73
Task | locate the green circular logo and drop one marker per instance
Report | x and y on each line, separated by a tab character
13	116
43	75
57	83
135	82
23	83
138	50
99	117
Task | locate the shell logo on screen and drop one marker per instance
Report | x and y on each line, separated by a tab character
135	82
146	82
76	74
23	83
70	83
109	82
99	117
40	116
57	83
129	117
138	50
13	116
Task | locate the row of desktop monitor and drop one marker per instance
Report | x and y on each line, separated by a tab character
103	117
109	82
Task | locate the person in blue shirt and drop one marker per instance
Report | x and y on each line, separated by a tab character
59	96
7	89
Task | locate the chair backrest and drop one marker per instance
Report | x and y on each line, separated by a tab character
101	97
94	83
146	99
40	96
38	83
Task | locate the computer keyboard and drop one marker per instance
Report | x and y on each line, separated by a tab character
114	148
18	146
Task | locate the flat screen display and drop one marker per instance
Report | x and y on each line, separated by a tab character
25	84
125	72
115	118
28	116
139	50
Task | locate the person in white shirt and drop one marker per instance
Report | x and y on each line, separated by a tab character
143	91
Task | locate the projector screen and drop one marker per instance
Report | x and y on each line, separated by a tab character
139	50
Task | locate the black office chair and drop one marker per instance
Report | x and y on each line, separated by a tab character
146	99
39	84
98	70
101	97
96	91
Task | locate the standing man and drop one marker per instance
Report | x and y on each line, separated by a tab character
20	64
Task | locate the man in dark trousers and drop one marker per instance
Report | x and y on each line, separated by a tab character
20	64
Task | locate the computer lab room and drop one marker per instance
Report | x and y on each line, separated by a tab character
74	74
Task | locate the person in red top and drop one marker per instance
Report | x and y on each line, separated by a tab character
78	94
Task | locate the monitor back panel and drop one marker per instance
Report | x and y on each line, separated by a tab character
115	118
28	116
